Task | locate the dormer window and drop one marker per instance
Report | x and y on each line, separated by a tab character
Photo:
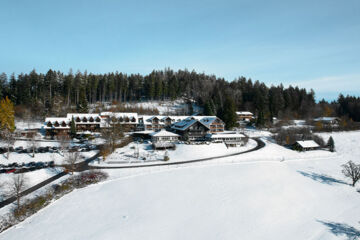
78	119
56	124
98	119
91	119
114	119
84	119
121	119
49	124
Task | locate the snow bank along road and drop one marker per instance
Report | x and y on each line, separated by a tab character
260	144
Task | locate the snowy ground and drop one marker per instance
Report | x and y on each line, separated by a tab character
273	193
166	107
183	152
32	178
22	125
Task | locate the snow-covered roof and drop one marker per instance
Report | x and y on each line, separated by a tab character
164	133
56	119
53	120
83	115
244	113
143	132
308	144
207	120
124	114
174	119
105	113
132	117
184	124
325	119
187	122
229	135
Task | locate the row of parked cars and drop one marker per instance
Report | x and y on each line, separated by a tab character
24	167
47	149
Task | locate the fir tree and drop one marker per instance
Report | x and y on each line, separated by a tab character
82	106
72	128
331	144
228	113
208	111
260	121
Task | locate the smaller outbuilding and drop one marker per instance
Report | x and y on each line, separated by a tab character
244	116
164	136
306	145
327	120
230	139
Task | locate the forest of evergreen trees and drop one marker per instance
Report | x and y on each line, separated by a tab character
46	93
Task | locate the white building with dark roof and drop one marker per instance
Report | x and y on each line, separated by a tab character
164	136
133	121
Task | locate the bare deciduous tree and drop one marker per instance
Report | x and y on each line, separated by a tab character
9	139
33	144
70	160
17	185
351	170
112	133
64	141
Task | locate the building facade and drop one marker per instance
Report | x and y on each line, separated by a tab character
195	127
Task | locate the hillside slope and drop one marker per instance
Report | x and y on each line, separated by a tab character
253	200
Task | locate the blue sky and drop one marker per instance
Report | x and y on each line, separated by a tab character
313	44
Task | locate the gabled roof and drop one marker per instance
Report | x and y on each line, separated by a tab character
185	124
56	119
164	133
244	113
308	144
325	119
83	115
227	135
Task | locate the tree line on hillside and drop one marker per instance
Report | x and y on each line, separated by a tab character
46	94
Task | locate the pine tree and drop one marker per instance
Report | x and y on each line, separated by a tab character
208	111
72	128
260	121
7	119
331	144
82	106
228	113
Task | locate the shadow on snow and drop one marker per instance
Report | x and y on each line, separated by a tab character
322	178
342	229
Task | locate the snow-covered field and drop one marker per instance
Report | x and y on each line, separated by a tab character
273	193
